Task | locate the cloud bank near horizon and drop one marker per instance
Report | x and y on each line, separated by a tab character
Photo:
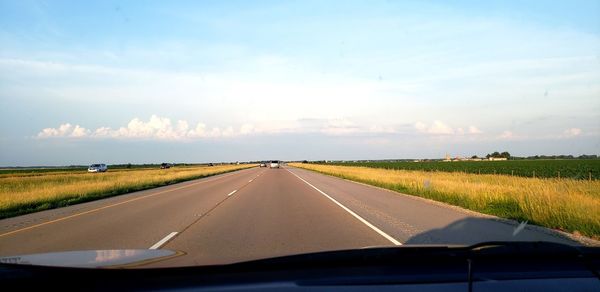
162	128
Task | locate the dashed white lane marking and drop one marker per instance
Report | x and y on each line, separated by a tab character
361	219
231	193
163	241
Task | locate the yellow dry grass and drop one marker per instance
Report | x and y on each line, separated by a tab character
566	204
26	193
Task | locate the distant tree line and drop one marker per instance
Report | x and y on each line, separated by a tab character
495	154
584	156
499	155
507	155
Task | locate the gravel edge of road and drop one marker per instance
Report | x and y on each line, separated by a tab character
586	241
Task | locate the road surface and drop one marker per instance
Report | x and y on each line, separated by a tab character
255	213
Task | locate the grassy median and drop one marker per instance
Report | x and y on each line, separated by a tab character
565	204
21	194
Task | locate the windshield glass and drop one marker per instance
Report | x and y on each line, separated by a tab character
397	122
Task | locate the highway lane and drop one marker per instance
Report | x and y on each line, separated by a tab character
277	214
137	220
255	213
414	220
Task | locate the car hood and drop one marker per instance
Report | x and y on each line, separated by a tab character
92	258
133	258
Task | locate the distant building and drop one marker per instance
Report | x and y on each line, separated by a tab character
497	158
447	158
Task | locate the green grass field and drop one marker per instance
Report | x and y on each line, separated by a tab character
573	169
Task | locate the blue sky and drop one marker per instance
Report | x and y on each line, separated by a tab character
199	81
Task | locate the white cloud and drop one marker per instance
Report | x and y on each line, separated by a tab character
182	127
246	129
79	132
340	127
383	129
64	130
48	132
474	130
440	128
215	132
161	128
228	132
572	132
156	128
421	127
102	132
506	135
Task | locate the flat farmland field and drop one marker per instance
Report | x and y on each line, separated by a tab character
30	191
572	168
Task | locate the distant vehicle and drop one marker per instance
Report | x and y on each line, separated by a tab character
165	165
274	164
262	164
98	168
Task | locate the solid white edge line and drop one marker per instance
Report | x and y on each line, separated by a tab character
361	219
231	193
163	241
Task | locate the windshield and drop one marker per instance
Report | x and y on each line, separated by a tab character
398	123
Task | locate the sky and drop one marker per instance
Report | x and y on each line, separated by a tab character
86	82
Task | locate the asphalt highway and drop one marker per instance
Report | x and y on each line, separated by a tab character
256	213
